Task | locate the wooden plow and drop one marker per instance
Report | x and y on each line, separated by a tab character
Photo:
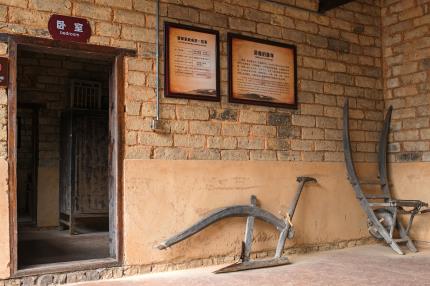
382	210
252	212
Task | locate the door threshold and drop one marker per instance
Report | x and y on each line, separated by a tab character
70	266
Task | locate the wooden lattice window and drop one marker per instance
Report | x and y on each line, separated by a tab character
85	94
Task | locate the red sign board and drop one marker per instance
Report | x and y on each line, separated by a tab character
66	28
4	71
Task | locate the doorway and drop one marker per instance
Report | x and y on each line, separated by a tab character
63	131
62	158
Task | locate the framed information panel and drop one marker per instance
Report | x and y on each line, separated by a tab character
192	62
262	72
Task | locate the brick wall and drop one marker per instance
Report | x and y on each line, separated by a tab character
25	159
339	56
45	79
406	62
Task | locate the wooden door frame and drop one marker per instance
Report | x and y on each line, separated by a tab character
116	148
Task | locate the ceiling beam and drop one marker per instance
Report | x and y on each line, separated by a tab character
325	5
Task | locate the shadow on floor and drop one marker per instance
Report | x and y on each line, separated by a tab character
366	265
52	246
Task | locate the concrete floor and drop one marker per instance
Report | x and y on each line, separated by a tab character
364	265
50	246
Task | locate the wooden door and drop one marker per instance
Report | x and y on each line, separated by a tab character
84	185
90	154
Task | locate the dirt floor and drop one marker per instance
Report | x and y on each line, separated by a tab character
51	246
364	265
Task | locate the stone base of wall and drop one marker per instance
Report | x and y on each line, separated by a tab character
130	270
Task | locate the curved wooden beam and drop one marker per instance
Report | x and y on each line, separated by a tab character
353	178
352	174
233	211
382	153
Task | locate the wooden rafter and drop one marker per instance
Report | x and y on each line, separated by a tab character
325	5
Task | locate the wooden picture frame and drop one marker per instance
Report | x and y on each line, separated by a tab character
262	72
192	66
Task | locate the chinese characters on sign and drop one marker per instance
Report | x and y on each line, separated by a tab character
262	72
191	40
67	28
263	54
192	62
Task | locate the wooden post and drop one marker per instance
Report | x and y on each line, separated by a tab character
11	155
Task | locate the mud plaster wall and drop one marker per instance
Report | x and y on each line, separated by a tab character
327	211
411	181
4	191
4	221
339	56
